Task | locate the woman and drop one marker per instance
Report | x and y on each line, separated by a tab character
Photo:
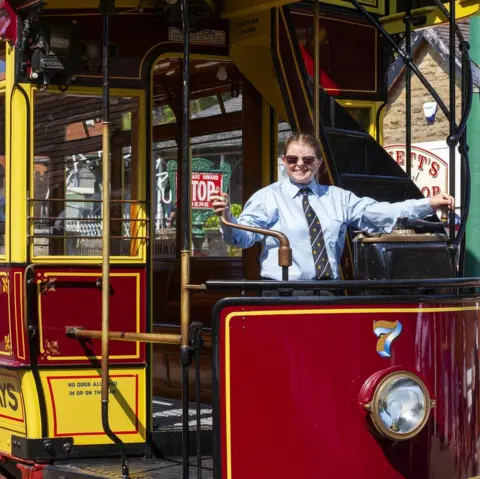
314	217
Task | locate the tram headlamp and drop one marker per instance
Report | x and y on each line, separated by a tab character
400	406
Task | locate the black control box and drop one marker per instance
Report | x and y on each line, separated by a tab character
403	255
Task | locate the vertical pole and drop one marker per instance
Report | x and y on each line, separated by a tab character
105	8
106	208
408	92
186	240
472	256
316	76
452	144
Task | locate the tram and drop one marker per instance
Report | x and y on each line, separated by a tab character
133	341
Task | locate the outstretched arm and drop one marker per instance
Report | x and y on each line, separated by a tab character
254	214
370	215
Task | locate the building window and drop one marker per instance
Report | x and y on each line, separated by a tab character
67	204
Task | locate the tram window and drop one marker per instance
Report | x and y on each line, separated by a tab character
216	151
216	158
67	175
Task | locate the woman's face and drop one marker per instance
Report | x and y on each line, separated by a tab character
301	163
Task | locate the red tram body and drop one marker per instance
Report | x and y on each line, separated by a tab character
307	418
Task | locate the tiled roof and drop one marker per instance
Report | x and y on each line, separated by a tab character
231	105
443	31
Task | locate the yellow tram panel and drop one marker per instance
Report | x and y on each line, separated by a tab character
19	412
73	397
433	16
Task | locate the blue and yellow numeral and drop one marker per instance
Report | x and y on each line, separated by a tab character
387	332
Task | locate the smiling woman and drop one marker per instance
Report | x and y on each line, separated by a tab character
301	158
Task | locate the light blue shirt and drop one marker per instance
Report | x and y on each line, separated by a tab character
279	207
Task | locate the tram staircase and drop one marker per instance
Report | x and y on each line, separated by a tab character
354	160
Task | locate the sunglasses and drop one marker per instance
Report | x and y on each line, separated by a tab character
307	160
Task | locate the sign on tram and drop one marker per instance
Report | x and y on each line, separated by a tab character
203	37
429	170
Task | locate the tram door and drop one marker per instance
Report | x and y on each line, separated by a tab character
224	110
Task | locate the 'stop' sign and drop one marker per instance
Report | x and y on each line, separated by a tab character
203	185
429	171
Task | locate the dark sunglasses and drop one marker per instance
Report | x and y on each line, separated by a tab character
307	160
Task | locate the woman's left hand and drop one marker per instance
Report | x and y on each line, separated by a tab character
442	199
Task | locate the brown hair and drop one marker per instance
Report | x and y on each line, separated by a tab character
306	139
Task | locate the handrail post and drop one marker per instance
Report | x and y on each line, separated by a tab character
451	140
408	91
186	240
106	6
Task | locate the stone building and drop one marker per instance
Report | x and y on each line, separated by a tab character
430	127
430	52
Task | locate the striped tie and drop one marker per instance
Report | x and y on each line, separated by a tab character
323	270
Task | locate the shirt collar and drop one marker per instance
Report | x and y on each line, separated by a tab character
293	188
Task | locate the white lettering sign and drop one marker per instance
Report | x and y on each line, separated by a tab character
205	37
429	171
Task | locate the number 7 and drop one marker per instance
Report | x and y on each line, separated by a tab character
387	332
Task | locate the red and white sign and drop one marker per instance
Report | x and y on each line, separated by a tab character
429	171
203	185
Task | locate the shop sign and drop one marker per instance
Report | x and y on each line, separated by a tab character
203	186
429	171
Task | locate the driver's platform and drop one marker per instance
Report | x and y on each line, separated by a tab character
167	443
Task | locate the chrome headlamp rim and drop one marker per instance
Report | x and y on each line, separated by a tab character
373	405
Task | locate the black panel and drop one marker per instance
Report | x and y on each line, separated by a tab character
403	260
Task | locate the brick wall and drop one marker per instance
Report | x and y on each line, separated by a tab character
436	72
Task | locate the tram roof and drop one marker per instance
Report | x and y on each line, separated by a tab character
229	8
391	12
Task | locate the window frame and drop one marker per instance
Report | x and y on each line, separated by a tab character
5	258
142	181
228	122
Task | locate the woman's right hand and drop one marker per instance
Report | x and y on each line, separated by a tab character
220	203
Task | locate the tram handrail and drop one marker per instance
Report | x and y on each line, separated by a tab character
345	284
284	250
162	338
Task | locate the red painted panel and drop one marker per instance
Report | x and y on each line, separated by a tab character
13	338
6	349
73	298
20	346
338	60
295	379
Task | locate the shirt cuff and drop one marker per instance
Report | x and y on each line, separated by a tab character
228	233
424	208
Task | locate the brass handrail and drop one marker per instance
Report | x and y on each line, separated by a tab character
163	338
284	250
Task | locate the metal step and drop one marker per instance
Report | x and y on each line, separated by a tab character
139	469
